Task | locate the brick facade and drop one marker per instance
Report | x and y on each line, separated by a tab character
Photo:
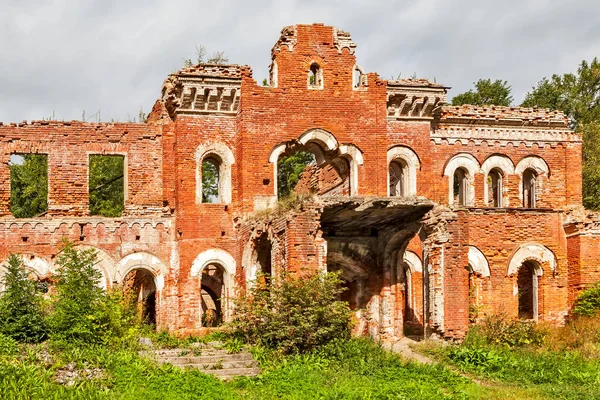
435	256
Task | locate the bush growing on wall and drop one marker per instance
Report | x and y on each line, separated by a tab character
292	313
21	316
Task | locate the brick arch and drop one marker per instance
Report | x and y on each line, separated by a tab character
506	166
226	159
538	164
532	252
41	267
225	261
478	262
145	261
320	142
412	161
471	165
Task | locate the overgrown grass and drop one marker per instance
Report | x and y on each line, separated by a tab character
558	362
355	369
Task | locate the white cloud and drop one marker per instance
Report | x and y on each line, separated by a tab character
112	56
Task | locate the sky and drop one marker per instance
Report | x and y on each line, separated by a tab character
63	58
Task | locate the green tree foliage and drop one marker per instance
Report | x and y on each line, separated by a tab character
289	170
578	95
588	302
29	185
210	181
293	313
82	312
107	191
486	92
21	316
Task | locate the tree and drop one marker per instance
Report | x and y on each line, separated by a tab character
107	191
486	93
29	185
578	96
21	315
289	170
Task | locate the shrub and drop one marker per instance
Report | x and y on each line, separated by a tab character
501	330
21	315
588	302
292	313
82	311
8	345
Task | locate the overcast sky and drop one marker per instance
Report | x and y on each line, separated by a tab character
63	57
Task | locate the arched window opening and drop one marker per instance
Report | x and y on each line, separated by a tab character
460	185
315	77
529	188
140	290
527	291
398	178
210	180
290	169
494	181
212	286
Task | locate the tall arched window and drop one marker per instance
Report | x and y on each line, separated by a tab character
210	180
529	188
494	182
460	185
399	178
315	76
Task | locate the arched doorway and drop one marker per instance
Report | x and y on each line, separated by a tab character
212	287
527	283
411	276
140	289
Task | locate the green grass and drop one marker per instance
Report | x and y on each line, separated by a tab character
563	374
355	369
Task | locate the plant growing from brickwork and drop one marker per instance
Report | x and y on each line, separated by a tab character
21	312
292	313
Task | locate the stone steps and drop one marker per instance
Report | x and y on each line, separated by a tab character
209	360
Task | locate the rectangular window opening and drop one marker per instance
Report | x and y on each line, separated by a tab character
107	185
28	185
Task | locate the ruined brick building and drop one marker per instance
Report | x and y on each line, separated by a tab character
435	215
